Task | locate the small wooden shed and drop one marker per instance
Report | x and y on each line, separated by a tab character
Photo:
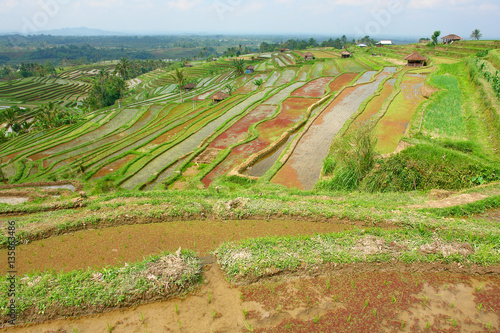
283	50
448	39
250	70
189	86
187	64
309	56
346	54
416	60
219	96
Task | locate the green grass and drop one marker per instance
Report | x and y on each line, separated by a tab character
429	166
260	257
57	294
444	115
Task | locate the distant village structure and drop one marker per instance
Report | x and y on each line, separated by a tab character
384	43
416	60
188	64
449	39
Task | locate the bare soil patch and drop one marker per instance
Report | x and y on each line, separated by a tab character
207	156
456	200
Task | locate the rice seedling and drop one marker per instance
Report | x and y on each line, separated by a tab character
248	326
176	308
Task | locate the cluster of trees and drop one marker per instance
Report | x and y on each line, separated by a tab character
236	51
107	88
295	44
19	121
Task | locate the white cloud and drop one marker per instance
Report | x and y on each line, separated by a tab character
8	5
490	8
430	4
183	4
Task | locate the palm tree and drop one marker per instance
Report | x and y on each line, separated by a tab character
9	117
46	113
122	68
238	65
180	78
476	34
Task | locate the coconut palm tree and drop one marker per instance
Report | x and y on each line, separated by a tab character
180	78
239	65
122	68
476	34
9	117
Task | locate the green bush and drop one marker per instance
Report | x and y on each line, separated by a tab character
353	156
428	166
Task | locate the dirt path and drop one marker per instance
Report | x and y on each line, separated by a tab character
451	201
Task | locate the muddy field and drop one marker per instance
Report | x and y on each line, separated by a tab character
303	168
393	125
352	298
293	110
131	243
315	88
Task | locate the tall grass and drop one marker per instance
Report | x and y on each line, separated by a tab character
353	157
444	115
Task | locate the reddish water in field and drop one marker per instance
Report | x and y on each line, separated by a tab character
374	105
239	130
131	243
112	167
293	110
392	127
342	80
315	88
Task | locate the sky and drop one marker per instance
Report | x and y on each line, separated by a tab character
357	18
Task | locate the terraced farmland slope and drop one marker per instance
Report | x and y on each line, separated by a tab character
351	195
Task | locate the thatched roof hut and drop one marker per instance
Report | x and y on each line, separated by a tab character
346	54
416	60
187	64
219	96
189	86
309	56
448	39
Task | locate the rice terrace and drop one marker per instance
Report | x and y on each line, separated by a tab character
266	188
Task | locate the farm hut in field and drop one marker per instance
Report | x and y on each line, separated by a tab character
346	54
250	70
449	39
189	86
187	64
416	60
309	56
362	45
218	97
284	50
